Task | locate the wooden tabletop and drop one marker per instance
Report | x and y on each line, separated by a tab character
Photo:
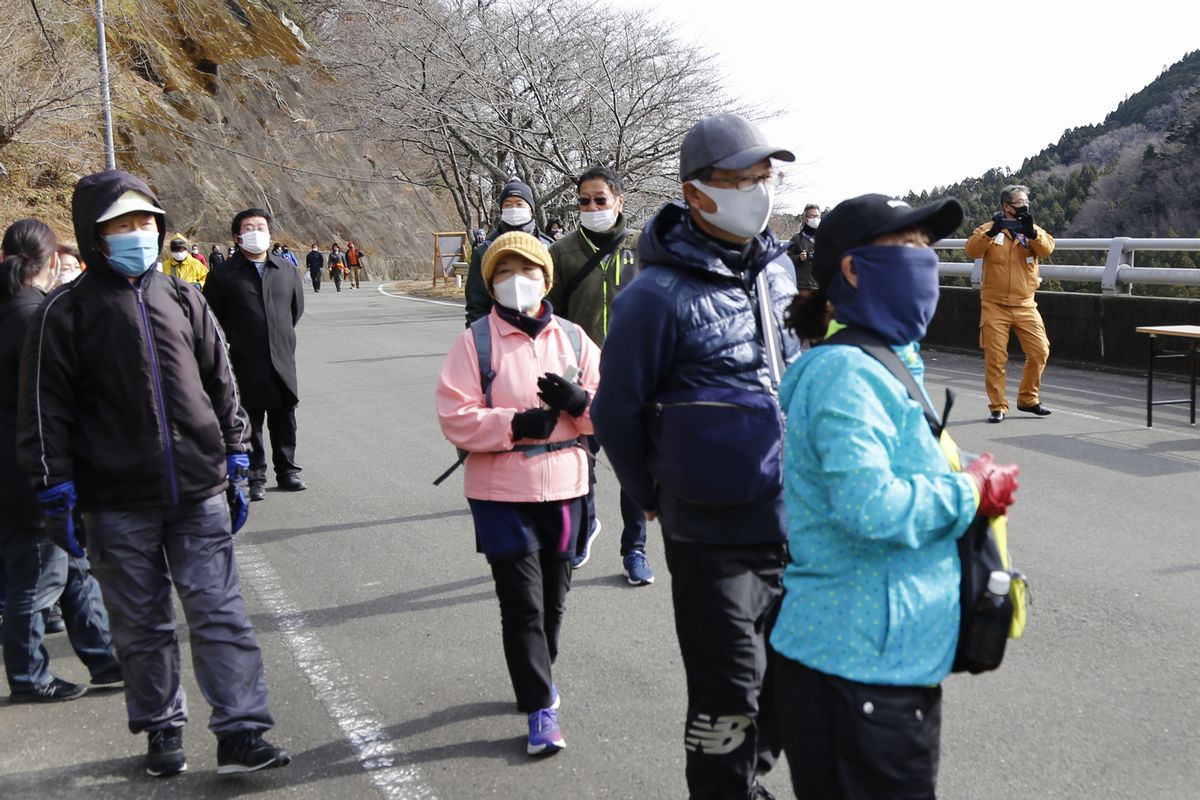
1185	331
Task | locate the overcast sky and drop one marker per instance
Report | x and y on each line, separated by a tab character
892	97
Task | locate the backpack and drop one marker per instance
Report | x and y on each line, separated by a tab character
983	548
481	332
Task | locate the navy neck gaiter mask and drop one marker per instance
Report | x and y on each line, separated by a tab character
897	291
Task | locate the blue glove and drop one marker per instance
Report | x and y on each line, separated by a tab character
237	468
58	503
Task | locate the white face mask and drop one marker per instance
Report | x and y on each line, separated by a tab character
516	216
744	214
178	255
255	241
520	293
813	222
598	221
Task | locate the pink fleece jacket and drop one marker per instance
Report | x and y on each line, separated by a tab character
493	470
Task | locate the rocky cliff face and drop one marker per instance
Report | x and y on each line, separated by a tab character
218	105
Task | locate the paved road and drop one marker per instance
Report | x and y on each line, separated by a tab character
381	630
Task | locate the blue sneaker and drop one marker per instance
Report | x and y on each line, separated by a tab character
544	736
582	558
636	569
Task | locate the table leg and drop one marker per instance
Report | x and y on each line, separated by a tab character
1192	359
1150	387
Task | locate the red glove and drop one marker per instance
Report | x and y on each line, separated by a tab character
996	483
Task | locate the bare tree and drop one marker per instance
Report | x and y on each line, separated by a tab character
45	81
543	89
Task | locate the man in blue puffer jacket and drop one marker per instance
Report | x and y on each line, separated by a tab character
692	320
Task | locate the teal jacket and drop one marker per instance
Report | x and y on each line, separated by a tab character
874	512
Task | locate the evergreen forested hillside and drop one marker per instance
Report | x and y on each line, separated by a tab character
1135	174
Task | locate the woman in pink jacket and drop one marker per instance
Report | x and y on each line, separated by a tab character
526	473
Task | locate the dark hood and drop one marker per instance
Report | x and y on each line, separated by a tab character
671	238
93	195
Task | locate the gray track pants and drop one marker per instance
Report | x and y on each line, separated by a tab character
136	555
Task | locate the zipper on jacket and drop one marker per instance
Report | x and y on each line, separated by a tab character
164	421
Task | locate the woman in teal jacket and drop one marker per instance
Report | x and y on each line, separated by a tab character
870	614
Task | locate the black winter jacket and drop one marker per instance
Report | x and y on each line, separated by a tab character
21	510
689	320
259	316
126	388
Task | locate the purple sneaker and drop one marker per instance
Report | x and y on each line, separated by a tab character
544	736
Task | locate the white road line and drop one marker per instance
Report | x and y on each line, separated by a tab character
357	718
382	289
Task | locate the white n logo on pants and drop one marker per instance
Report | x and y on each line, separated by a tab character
716	737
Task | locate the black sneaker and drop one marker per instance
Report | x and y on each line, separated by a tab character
258	491
1037	408
164	756
109	676
248	751
996	416
56	691
54	620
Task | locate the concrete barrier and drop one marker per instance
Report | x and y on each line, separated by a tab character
1086	328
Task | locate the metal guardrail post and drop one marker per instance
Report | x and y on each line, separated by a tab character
1119	255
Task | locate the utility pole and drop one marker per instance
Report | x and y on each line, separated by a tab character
110	155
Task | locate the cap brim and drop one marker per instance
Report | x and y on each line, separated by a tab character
117	210
753	155
941	219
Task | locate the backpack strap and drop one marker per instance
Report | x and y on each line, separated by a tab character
481	332
573	335
879	350
588	267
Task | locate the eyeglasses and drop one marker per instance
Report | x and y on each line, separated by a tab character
747	183
598	202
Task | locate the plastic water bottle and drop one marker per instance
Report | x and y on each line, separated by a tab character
990	623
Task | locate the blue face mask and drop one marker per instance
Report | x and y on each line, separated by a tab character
132	253
897	291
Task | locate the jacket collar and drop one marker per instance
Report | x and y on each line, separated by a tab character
672	238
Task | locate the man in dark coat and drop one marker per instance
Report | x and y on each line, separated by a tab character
258	299
699	325
316	265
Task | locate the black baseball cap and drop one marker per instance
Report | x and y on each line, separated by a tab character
725	141
860	219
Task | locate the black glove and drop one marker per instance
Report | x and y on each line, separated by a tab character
536	423
993	231
63	524
559	393
1027	224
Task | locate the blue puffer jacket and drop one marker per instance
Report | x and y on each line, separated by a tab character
688	320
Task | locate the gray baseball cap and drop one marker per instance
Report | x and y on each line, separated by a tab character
725	141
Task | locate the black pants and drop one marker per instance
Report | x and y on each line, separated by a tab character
633	518
282	424
726	599
532	590
315	274
856	741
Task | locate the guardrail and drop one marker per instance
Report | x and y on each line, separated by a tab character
1118	275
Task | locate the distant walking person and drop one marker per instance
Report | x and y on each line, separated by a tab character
315	261
526	473
354	261
33	566
215	258
258	299
337	266
1010	246
129	412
